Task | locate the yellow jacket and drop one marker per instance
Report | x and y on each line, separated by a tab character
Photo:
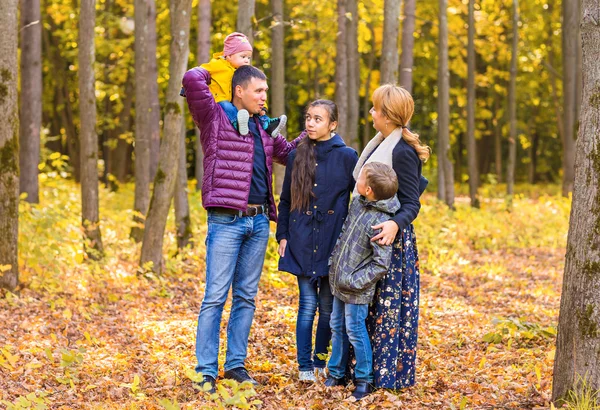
221	74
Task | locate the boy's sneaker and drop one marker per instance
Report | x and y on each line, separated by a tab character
363	388
276	125
307	376
242	120
332	381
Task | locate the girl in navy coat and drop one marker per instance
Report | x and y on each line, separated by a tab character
312	208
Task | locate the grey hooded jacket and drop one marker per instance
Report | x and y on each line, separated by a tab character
357	264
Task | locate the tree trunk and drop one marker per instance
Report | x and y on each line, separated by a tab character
147	110
166	174
389	48
497	139
570	68
182	207
341	71
244	18
578	341
204	29
9	146
367	100
512	105
31	98
353	71
445	168
89	139
471	144
278	77
408	43
121	155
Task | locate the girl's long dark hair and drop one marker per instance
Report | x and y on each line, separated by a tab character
303	174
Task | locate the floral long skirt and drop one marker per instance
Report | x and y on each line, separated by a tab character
394	316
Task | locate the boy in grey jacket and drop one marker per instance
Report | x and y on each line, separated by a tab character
357	264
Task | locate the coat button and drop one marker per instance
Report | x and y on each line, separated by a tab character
315	184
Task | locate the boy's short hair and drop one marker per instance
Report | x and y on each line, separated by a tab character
382	179
244	74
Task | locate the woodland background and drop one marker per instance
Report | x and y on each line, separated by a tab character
104	283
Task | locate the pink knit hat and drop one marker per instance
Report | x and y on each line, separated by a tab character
236	43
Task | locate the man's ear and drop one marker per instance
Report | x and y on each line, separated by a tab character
238	91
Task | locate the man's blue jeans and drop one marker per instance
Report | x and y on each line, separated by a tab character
348	324
235	253
312	297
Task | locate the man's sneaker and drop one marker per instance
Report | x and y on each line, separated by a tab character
240	375
307	376
242	119
320	373
332	381
363	388
207	384
276	125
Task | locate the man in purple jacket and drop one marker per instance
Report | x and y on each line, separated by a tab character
237	194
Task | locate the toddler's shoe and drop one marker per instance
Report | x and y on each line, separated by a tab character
242	120
307	376
276	125
332	381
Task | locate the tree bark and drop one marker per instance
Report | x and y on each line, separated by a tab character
341	71
512	105
408	43
244	18
278	77
121	155
89	138
9	146
166	174
445	168
571	43
182	206
31	98
367	100
497	139
204	29
147	110
578	341
389	48
353	71
471	144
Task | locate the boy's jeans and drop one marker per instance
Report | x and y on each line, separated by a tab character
310	299
235	253
348	324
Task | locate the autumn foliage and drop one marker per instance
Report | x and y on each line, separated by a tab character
107	335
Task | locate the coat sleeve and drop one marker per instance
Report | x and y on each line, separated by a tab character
369	274
285	200
200	101
282	148
406	164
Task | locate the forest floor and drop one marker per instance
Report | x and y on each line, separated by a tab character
104	335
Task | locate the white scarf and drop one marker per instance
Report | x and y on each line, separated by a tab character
381	148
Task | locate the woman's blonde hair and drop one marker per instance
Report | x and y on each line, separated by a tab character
397	105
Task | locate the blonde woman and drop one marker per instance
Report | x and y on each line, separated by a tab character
394	311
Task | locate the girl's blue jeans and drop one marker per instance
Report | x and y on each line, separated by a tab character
311	298
231	112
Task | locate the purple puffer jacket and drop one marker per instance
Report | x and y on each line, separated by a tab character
228	156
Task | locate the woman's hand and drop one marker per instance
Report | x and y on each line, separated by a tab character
389	229
282	245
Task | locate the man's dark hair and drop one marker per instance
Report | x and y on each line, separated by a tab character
244	74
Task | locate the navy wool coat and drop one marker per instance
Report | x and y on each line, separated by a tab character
312	233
